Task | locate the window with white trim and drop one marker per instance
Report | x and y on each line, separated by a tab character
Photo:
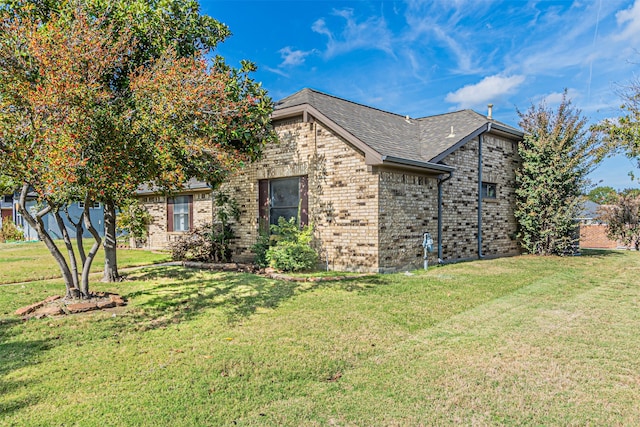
181	213
94	205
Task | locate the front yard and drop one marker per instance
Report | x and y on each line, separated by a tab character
525	340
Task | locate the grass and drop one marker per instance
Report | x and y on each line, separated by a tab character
525	340
26	261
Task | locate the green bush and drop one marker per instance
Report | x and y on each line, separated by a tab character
292	250
260	249
210	242
10	231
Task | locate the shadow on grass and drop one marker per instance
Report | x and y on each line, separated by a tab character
188	293
601	252
15	354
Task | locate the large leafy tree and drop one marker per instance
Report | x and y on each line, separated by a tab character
162	29
50	88
557	154
169	119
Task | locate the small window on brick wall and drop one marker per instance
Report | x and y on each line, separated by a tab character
282	198
489	190
180	213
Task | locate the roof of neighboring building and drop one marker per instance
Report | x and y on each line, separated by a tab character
389	134
193	184
589	210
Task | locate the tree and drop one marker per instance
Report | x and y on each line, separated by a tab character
623	134
170	119
623	219
557	154
158	26
603	195
50	87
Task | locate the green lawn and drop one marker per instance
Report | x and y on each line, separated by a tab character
525	340
25	261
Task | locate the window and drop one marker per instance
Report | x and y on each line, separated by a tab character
94	205
489	190
282	198
180	213
7	198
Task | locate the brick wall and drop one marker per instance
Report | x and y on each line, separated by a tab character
343	200
408	208
156	205
595	237
369	219
460	201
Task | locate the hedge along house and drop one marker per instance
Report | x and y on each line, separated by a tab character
371	183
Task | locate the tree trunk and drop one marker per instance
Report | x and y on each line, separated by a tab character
110	256
67	242
79	232
38	225
84	283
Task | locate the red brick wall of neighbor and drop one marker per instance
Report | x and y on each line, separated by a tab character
595	237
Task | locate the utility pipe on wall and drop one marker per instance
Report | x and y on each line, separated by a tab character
440	182
480	141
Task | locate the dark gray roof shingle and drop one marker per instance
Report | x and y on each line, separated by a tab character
392	134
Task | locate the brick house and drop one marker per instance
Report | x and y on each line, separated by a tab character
371	183
593	233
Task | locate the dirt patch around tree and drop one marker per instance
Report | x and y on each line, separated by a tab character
56	305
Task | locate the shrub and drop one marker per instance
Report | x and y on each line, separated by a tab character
134	219
202	244
10	231
210	242
260	249
292	250
557	154
623	219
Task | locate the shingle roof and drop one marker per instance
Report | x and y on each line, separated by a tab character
392	134
193	184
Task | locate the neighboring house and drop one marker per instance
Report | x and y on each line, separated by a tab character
6	207
371	183
593	233
96	212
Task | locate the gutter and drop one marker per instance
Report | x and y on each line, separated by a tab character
398	162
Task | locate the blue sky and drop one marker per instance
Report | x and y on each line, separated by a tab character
420	58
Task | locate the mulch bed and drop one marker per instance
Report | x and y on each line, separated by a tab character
269	272
56	305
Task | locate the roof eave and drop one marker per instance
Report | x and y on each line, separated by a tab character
494	128
415	165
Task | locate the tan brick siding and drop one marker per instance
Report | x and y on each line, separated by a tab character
408	208
369	219
343	198
460	201
156	205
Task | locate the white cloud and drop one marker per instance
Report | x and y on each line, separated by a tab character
276	71
371	34
630	20
487	90
555	98
292	57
